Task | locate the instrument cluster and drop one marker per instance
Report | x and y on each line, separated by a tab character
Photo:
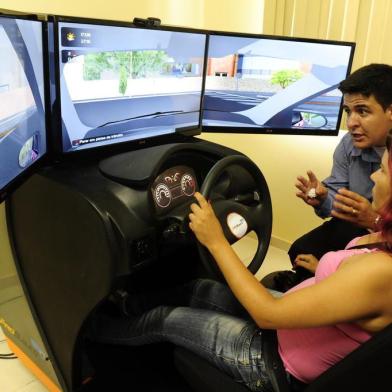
173	187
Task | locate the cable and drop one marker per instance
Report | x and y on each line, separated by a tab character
8	356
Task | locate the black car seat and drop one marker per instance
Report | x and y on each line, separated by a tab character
368	368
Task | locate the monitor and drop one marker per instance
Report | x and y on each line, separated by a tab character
22	99
267	84
122	83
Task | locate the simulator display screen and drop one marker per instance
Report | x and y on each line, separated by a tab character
274	83
123	83
22	113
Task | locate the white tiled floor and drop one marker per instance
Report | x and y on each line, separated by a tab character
275	260
15	377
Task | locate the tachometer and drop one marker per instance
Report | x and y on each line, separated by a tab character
188	184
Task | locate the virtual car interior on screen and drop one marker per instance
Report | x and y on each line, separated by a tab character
121	83
272	83
22	117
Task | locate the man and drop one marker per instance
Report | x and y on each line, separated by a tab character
345	195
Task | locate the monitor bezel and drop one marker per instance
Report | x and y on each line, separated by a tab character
7	189
277	131
109	149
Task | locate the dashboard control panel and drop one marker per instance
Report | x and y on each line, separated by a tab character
173	187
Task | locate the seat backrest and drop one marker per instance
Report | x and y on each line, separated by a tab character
366	369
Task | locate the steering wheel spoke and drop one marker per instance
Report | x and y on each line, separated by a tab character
259	218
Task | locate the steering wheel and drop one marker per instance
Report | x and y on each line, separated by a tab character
239	215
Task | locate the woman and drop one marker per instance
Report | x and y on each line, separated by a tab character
318	322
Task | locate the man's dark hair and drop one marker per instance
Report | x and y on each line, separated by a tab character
372	79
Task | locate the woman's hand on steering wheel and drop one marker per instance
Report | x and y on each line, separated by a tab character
204	223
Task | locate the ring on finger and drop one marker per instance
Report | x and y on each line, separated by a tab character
354	211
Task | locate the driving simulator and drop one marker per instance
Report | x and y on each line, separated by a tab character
98	192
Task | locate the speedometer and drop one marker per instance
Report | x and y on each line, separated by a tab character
162	195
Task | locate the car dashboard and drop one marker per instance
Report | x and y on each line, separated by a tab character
84	229
173	187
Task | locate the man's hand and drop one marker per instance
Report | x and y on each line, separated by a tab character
352	207
308	262
305	185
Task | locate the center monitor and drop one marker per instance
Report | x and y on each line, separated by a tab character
22	99
121	83
269	84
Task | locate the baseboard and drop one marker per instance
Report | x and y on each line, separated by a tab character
280	243
10	289
8	281
277	242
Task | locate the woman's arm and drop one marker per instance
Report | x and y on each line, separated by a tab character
360	289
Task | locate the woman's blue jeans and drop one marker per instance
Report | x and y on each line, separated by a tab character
213	325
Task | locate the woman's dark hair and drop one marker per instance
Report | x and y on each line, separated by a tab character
372	79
